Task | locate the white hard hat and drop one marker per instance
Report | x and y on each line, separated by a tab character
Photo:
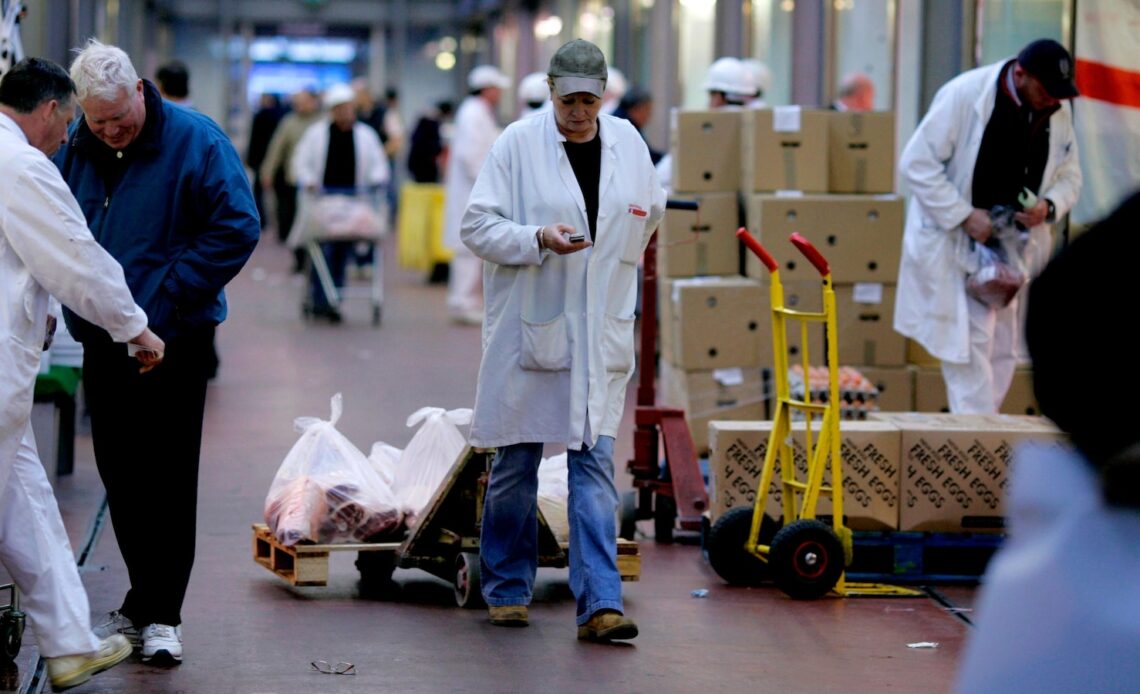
338	94
761	75
485	76
729	75
616	85
534	88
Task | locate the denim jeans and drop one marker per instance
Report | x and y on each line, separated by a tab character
509	543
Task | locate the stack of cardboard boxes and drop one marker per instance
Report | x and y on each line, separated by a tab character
930	388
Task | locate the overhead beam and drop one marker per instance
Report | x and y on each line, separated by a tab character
352	12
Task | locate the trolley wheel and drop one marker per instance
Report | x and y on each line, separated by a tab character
727	555
376	568
806	559
11	635
664	518
627	516
468	587
375	316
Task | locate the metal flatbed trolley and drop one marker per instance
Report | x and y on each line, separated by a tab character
806	557
358	216
444	543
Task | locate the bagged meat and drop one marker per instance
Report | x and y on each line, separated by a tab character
428	458
327	491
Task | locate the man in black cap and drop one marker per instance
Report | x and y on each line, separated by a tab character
996	137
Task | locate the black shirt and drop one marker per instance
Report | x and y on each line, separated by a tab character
340	165
586	160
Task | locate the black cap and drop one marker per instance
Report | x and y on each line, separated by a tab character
1052	65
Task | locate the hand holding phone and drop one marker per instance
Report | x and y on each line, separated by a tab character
576	238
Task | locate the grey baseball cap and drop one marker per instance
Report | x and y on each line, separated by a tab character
579	66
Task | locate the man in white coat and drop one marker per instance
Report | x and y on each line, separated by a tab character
475	130
561	213
46	248
990	133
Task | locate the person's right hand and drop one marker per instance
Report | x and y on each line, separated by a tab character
978	225
154	350
556	239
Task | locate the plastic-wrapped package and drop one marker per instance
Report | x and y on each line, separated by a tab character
326	490
553	495
996	281
384	458
428	457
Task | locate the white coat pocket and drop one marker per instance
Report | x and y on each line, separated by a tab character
617	343
545	346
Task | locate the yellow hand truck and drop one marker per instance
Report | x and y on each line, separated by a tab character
806	557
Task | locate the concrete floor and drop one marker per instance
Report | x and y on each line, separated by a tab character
248	631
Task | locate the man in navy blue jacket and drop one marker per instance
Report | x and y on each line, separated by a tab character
166	194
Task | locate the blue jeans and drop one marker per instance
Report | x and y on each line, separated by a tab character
509	544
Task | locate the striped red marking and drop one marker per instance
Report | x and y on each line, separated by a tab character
1107	83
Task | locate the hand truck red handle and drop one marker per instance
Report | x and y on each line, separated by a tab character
754	246
815	257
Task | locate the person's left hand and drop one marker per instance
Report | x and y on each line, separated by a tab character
1034	215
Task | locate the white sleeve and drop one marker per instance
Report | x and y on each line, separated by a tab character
49	234
924	158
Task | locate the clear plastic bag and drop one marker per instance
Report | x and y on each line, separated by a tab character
335	216
428	458
997	280
553	495
326	490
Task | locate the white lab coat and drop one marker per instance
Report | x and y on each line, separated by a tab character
558	338
474	132
1058	609
308	166
45	248
938	163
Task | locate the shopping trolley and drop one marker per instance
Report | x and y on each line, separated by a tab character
806	557
356	216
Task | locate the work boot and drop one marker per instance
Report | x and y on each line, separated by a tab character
607	625
508	615
70	670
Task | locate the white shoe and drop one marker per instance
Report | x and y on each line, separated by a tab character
71	670
116	623
162	643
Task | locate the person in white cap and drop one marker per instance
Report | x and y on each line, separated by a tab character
616	87
534	93
476	128
560	215
761	78
336	153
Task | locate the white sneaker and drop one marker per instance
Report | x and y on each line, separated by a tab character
162	644
116	623
71	670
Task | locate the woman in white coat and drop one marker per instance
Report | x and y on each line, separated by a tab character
978	346
46	247
561	213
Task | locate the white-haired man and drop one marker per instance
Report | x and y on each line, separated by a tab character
167	195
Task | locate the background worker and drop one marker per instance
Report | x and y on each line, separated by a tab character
990	133
475	130
342	154
761	79
534	94
856	93
46	248
276	169
167	195
561	214
173	81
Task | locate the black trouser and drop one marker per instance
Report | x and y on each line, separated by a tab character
147	434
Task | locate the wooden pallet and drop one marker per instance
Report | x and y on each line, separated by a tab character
308	565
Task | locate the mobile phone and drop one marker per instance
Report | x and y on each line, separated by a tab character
576	238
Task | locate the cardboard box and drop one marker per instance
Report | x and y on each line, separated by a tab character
870	452
1020	398
955	468
862	152
864	318
915	354
728	394
691	244
706	148
714	322
895	384
789	149
930	391
860	235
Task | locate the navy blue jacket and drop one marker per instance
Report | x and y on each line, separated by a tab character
181	219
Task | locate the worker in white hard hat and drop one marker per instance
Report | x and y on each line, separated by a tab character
730	86
616	87
761	78
534	94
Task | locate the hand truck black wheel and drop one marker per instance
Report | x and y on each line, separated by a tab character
664	518
627	515
727	555
11	635
806	559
